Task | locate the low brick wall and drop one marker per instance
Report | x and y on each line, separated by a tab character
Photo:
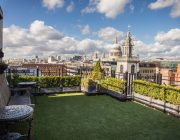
4	91
161	105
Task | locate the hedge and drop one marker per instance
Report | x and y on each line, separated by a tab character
161	92
46	81
113	84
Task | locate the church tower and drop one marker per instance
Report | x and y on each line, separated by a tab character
128	62
128	45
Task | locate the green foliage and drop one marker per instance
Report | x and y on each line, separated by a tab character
46	81
98	72
88	83
113	84
164	93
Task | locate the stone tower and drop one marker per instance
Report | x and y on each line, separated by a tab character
128	62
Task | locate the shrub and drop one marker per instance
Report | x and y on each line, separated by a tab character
164	93
98	72
113	84
88	83
46	81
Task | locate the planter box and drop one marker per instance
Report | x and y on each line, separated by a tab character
71	89
158	104
89	90
161	105
142	98
171	108
116	94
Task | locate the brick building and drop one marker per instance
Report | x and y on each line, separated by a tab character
48	69
168	76
177	76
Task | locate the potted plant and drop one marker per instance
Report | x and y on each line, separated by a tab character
3	66
88	85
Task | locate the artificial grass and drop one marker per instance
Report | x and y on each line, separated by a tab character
100	118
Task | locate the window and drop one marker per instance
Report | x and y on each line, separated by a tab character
132	69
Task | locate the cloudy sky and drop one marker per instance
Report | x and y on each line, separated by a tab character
58	27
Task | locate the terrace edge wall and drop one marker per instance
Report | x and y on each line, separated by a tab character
4	91
158	104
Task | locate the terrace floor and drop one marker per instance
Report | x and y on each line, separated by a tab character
78	117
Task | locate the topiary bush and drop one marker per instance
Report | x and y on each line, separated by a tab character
98	72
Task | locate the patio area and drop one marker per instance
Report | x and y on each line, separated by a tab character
78	117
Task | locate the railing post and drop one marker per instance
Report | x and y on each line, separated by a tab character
125	78
59	72
37	72
164	99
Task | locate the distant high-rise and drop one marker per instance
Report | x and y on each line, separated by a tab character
58	58
95	55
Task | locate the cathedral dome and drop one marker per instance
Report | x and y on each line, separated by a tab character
115	52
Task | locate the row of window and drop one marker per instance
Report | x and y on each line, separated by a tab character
132	69
116	54
147	71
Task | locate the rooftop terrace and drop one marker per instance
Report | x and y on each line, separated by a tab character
75	116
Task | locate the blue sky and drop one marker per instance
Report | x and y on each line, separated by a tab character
146	21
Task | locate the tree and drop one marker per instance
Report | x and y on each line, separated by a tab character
98	72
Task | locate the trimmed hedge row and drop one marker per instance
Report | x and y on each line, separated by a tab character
46	81
164	93
113	84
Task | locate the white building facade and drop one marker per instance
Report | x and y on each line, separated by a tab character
128	63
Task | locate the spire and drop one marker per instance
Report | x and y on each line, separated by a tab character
116	40
129	31
129	28
127	45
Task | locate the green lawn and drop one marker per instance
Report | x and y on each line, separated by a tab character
100	118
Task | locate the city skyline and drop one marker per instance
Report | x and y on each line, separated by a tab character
59	27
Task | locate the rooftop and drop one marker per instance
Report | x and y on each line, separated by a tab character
75	116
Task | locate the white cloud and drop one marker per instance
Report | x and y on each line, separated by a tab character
159	4
43	40
70	7
131	7
110	8
110	34
91	8
167	44
43	32
52	4
172	37
86	30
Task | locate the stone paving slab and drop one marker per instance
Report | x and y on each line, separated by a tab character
20	99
